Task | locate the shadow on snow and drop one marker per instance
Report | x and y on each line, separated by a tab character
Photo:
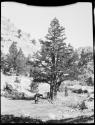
22	119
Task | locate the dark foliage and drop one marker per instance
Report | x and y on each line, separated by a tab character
80	91
14	119
79	119
15	61
34	87
82	106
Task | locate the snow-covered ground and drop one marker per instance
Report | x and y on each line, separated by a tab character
44	110
23	85
63	107
9	33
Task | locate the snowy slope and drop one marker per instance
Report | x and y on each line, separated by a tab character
10	33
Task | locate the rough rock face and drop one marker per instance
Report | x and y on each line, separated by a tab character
10	33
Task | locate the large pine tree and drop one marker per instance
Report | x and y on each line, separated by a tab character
56	60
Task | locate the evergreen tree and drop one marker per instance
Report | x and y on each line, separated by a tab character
86	66
21	62
3	63
56	60
12	56
16	59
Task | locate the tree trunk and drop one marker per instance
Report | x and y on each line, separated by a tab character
51	92
55	91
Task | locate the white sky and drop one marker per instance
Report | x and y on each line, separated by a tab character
76	18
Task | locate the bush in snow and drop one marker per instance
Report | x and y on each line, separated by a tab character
90	81
34	87
17	80
79	91
82	105
10	92
8	87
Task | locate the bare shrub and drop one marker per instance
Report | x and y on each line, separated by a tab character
79	91
34	87
8	87
82	105
90	81
17	80
9	92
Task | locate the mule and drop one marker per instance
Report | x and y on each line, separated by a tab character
38	96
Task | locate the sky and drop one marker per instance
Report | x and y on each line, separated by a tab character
76	18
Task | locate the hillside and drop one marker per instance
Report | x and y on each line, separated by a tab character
10	33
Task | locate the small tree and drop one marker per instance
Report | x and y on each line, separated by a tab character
4	64
34	87
56	60
21	62
16	58
12	56
19	33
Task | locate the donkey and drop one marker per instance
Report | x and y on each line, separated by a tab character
38	96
